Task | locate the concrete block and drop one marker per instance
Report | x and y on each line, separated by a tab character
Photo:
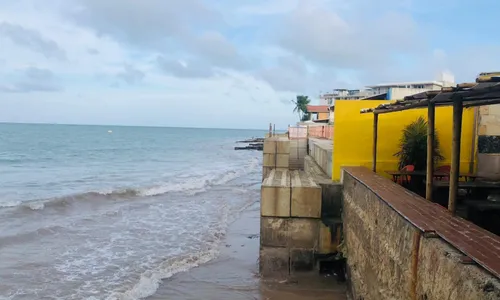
282	160
482	130
274	262
484	110
266	171
301	260
283	146
269	160
275	194
303	233
325	239
274	232
269	146
305	196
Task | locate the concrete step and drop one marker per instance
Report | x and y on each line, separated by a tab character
275	194
305	196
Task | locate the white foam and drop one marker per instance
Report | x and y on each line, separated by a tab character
150	280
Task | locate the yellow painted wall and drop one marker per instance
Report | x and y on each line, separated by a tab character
353	137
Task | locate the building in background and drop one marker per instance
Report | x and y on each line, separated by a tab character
318	113
385	91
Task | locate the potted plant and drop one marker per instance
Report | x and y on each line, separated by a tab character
413	146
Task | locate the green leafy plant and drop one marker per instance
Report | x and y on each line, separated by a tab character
413	146
301	103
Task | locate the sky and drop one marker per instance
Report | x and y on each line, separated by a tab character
225	63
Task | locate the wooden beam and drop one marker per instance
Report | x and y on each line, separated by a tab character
375	137
482	102
473	142
430	150
417	104
455	154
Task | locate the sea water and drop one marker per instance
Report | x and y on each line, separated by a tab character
104	212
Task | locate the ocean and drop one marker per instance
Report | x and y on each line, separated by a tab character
111	212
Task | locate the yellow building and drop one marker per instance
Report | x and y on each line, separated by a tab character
353	138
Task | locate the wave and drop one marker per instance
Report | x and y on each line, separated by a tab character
150	280
189	185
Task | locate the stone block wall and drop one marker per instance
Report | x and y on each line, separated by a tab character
298	150
321	151
390	258
290	223
276	155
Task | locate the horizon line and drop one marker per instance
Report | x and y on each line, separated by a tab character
119	125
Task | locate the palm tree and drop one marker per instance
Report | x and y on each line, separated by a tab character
301	103
413	145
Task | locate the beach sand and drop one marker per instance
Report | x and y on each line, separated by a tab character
234	274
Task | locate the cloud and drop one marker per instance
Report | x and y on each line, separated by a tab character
249	56
143	24
130	74
185	69
92	51
32	39
34	80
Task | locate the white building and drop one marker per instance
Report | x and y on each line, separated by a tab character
386	91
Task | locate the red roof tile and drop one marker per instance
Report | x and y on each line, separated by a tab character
317	108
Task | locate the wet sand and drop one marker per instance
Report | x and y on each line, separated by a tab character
234	274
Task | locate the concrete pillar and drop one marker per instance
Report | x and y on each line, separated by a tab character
488	142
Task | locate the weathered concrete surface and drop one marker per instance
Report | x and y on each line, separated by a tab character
388	258
379	244
296	241
274	232
301	260
269	145
282	146
321	151
441	275
298	150
305	196
275	194
303	233
282	161
274	262
331	192
269	160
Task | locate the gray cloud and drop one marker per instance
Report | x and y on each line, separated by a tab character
289	74
189	69
187	30
323	36
35	80
32	39
92	51
130	74
151	23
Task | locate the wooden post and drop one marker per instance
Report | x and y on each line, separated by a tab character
473	143
375	136
455	154
430	150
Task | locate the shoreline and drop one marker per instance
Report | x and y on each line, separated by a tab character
234	274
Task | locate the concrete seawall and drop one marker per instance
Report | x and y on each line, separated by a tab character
391	258
296	229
